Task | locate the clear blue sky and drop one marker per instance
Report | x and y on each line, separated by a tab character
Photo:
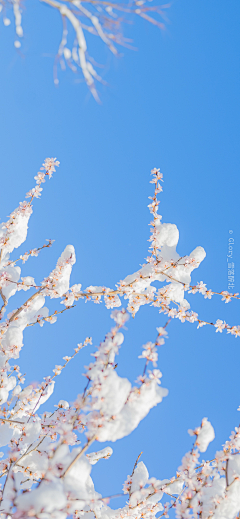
173	104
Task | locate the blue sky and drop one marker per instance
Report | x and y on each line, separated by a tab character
172	104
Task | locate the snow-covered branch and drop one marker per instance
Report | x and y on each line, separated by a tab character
103	19
46	469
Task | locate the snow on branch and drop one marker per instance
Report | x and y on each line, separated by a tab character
104	19
46	464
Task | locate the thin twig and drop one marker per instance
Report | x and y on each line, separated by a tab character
84	449
24	305
47	319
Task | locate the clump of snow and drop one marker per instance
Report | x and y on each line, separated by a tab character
204	435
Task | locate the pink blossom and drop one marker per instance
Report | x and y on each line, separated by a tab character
220	325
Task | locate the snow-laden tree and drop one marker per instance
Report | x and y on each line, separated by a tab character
103	19
47	458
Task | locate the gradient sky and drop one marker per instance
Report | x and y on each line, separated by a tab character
173	104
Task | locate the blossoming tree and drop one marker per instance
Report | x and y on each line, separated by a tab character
47	458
